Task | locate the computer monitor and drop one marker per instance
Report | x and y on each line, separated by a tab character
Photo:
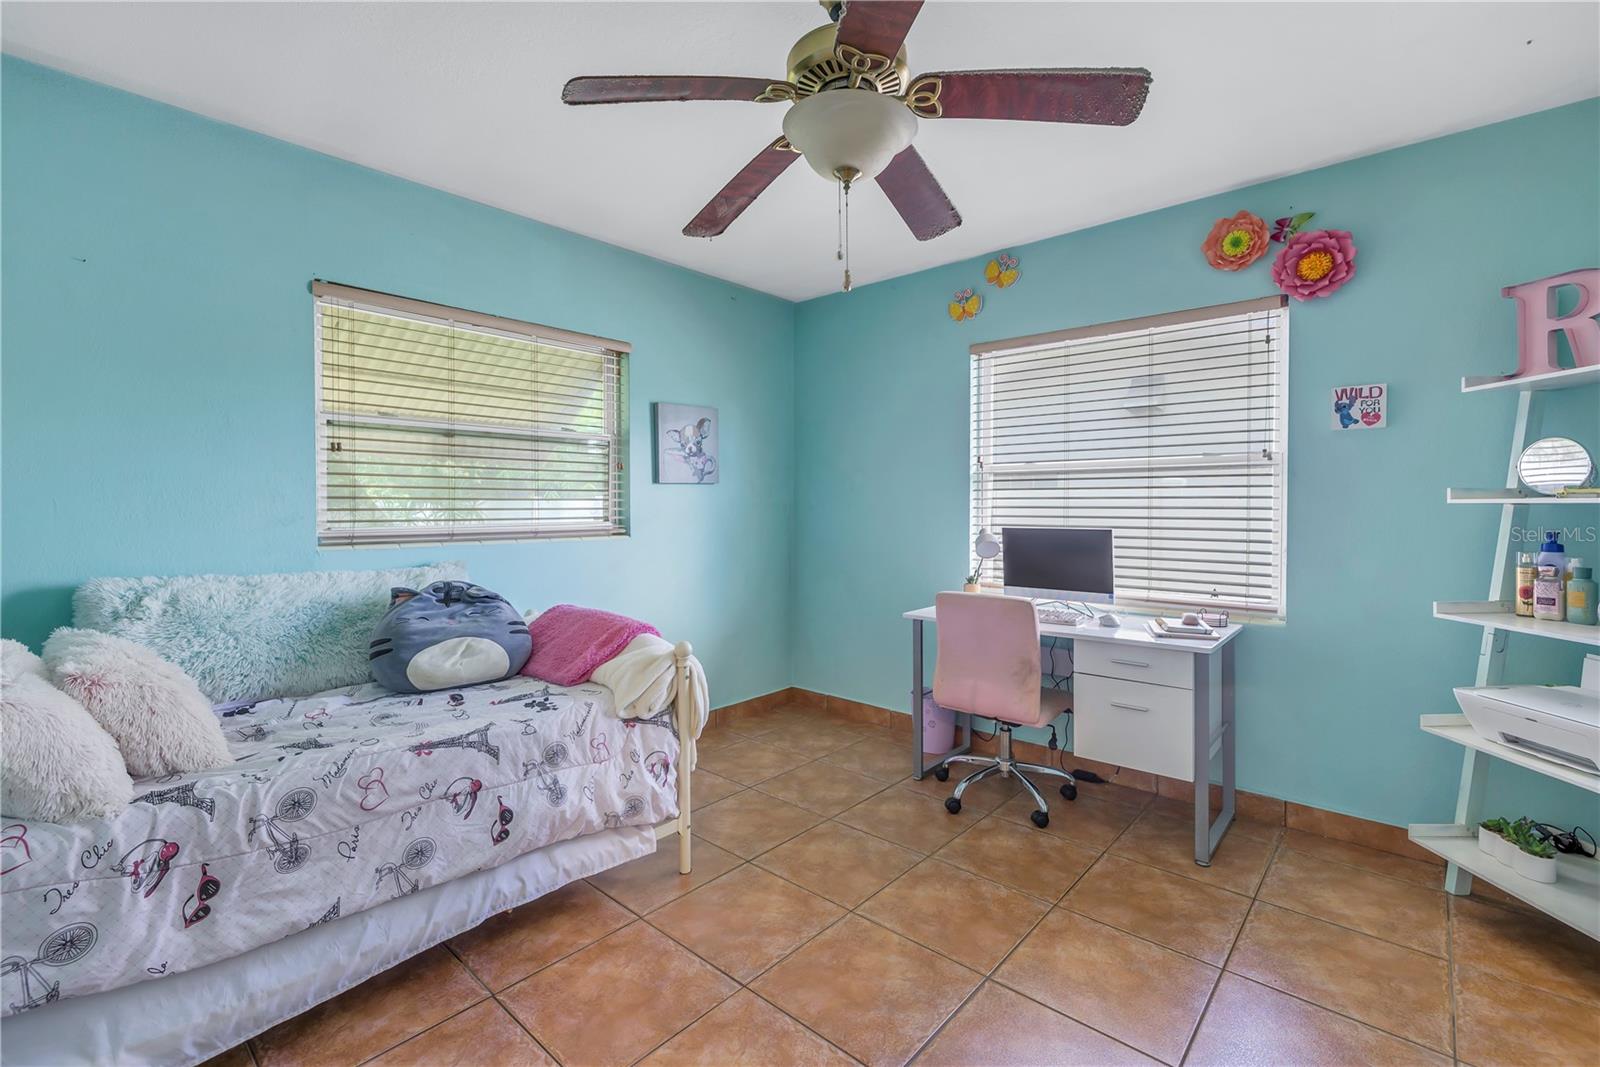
1057	564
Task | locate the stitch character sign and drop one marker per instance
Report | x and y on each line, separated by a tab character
1360	407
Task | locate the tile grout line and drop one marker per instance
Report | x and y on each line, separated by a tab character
852	911
995	970
651	1051
1358	867
746	986
1222	970
1450	974
1307	1000
1006	958
802	1025
1354	930
523	1027
425	1029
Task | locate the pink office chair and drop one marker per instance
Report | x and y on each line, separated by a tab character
989	665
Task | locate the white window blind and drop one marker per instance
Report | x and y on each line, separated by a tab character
1168	430
437	424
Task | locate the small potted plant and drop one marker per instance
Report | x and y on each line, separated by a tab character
973	582
1491	832
1535	857
1503	847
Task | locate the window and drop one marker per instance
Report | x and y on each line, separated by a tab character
1169	430
436	424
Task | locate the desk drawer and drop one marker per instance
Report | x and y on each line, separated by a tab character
1136	663
1133	724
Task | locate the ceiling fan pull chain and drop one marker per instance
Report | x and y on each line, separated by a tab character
838	219
847	235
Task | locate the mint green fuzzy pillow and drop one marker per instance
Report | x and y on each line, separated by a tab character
243	637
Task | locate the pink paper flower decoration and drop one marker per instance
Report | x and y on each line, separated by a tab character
1315	263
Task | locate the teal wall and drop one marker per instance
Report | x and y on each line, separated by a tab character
157	382
156	406
1328	702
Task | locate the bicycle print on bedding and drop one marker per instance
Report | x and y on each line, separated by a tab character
268	842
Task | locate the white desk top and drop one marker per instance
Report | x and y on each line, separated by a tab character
1131	632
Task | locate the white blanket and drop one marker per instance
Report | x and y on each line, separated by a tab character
644	682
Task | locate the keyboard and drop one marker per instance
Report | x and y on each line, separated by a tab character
1059	617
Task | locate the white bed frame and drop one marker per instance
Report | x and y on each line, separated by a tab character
187	1018
680	826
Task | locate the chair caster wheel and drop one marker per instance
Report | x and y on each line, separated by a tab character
942	773
952	805
1041	819
1069	790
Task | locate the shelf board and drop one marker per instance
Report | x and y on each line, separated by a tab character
1499	615
1514	496
1456	728
1573	898
1570	378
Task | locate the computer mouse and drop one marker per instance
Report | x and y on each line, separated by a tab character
1108	619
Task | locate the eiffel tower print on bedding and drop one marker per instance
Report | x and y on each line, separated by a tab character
334	803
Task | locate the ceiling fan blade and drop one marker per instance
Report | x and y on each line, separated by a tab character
634	89
915	193
742	191
877	26
1112	97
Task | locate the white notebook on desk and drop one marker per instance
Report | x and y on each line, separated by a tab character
1174	628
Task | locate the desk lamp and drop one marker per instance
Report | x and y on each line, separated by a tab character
986	546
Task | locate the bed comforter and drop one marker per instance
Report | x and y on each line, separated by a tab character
334	803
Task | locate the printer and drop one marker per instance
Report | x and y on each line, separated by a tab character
1560	723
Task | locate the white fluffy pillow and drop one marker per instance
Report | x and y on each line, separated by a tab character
155	713
59	764
16	659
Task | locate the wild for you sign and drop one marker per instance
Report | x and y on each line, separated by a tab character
1360	407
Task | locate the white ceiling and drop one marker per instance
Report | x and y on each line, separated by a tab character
465	97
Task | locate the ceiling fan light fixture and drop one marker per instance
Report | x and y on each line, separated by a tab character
849	129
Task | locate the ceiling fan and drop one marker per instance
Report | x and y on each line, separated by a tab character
854	110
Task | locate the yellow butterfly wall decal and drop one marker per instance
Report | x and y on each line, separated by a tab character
1002	271
965	304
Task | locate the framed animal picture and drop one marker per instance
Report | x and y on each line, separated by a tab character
687	450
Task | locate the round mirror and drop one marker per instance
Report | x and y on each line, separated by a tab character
1554	463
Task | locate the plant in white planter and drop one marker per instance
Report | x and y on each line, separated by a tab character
1504	845
1535	857
1491	832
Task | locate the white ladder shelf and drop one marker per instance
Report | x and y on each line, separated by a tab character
1575	897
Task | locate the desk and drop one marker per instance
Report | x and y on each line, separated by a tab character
1162	705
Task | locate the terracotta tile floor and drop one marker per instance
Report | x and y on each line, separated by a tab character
837	914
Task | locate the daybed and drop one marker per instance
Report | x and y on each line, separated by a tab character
355	828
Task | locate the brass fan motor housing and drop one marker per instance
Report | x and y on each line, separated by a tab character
817	63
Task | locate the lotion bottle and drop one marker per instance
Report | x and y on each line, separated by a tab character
1548	599
1581	590
1551	554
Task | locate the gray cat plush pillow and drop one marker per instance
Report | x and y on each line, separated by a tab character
447	635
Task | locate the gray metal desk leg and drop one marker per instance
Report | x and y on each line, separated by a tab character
1229	732
1206	745
920	765
916	699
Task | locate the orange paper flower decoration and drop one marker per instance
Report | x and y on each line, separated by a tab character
1235	243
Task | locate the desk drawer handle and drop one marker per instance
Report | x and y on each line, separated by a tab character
1128	707
1129	662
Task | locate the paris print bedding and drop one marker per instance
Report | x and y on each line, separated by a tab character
334	803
